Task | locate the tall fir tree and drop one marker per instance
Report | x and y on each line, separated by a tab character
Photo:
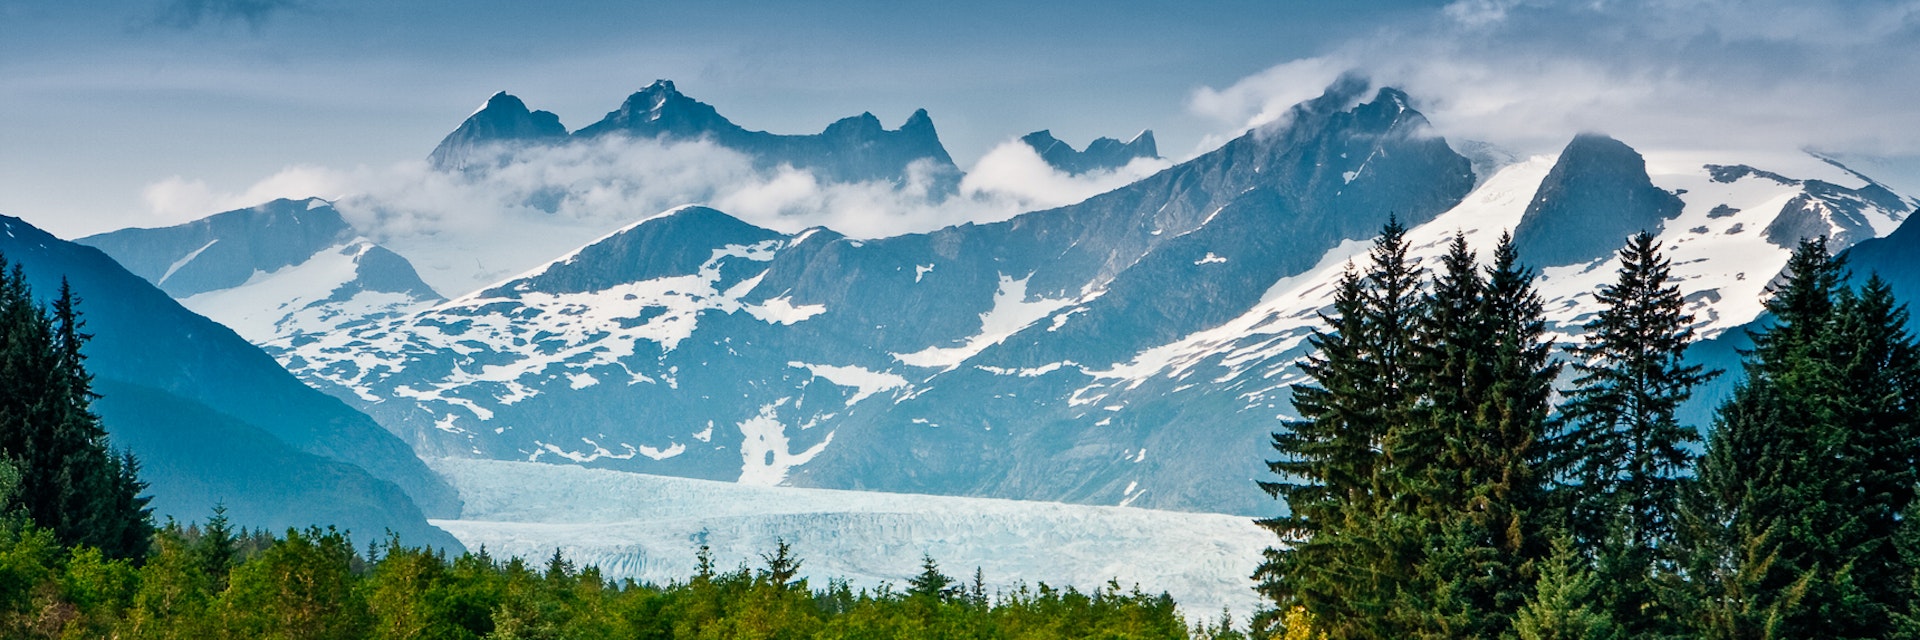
1484	562
1810	464
71	482
1510	479
1338	563
1621	454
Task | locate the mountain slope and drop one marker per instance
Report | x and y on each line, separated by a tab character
283	269
502	120
144	338
693	344
194	458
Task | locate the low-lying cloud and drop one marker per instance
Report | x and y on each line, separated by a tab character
466	230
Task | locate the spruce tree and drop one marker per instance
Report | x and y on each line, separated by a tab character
1510	482
71	483
1621	452
1810	464
1341	561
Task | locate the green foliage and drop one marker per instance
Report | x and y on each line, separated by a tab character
1562	606
1620	453
312	584
69	482
1422	485
1413	479
1334	560
1811	465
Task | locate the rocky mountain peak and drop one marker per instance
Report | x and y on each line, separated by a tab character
502	119
1596	195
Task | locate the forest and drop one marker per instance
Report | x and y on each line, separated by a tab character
1451	476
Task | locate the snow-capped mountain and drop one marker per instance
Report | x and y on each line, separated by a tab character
213	419
1101	154
1136	348
854	149
694	344
281	270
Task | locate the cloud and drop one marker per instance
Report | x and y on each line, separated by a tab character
1013	170
465	231
190	14
1529	74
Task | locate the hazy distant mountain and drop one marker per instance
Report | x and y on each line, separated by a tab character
855	149
215	419
504	119
1101	154
283	269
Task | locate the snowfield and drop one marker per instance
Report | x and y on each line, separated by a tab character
649	527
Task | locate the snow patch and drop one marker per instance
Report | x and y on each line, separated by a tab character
175	267
781	310
864	382
1011	312
765	455
581	380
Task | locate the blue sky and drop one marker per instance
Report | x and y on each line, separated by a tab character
106	99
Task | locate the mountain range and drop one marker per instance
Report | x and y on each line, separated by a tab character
1135	348
854	149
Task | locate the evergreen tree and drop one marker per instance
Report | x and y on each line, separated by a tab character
1563	607
71	483
1508	505
1810	464
1621	452
1344	559
930	584
216	549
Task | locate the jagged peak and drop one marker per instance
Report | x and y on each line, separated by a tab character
919	120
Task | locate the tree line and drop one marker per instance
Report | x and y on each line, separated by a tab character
1439	486
214	582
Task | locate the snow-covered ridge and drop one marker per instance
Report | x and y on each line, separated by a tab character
649	527
1722	263
315	297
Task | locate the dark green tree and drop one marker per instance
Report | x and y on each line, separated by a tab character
71	482
930	584
1343	558
1621	454
1809	467
1506	506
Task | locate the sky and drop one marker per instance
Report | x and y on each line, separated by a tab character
151	112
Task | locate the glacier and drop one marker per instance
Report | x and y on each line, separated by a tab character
649	528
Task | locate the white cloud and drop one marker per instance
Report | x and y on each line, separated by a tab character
1014	171
1264	98
1529	74
464	231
